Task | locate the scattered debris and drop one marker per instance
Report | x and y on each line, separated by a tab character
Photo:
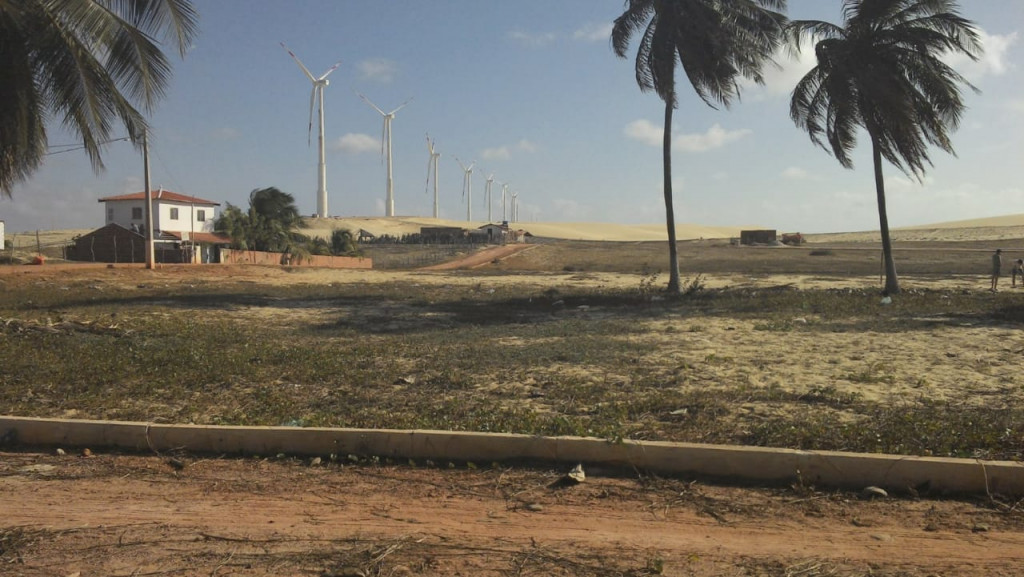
345	572
61	452
874	491
577	474
86	452
534	507
176	464
315	462
62	327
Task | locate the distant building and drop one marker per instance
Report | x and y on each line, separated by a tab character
182	227
757	237
114	243
172	212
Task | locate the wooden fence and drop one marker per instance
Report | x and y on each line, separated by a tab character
229	256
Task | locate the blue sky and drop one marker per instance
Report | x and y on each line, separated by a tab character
531	91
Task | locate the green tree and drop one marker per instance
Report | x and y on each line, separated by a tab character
716	42
88	63
882	71
269	225
342	242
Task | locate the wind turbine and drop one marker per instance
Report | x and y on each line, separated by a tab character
504	191
467	186
487	193
317	95
432	167
515	206
385	143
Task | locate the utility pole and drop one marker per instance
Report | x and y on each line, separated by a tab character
148	207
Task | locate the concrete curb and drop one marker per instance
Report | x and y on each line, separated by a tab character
820	468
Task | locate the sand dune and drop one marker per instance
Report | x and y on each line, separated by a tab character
563	230
993	228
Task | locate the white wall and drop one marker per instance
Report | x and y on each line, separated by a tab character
187	215
186	222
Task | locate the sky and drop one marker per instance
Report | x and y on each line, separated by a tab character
533	93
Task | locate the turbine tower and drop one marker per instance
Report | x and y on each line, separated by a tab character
385	143
504	192
487	193
317	96
515	206
432	167
467	186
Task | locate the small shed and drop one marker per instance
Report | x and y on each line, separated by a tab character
495	233
749	237
116	244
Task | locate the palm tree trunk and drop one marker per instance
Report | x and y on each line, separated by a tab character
670	217
892	283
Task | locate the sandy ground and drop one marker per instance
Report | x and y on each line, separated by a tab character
136	515
126	515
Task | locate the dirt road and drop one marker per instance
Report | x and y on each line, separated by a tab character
130	515
481	257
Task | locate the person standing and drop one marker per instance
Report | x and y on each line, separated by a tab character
1018	269
997	265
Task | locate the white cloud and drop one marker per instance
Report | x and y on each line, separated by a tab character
533	40
593	32
644	131
1014	105
378	69
781	77
353	143
904	183
715	137
527	146
795	173
993	62
499	153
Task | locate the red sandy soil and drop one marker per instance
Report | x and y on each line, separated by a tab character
120	515
481	257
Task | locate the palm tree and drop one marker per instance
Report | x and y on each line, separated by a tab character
88	63
882	71
269	224
716	42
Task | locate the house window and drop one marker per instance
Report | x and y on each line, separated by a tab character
137	213
110	214
201	216
174	214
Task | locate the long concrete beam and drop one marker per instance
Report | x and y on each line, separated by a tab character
760	464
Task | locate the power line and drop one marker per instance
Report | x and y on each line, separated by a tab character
78	146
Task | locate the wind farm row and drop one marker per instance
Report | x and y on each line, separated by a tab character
509	197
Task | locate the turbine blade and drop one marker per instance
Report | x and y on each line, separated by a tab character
462	166
299	62
331	69
312	101
367	100
401	106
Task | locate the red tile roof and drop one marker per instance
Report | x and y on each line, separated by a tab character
162	195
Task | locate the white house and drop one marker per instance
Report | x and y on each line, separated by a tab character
172	212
